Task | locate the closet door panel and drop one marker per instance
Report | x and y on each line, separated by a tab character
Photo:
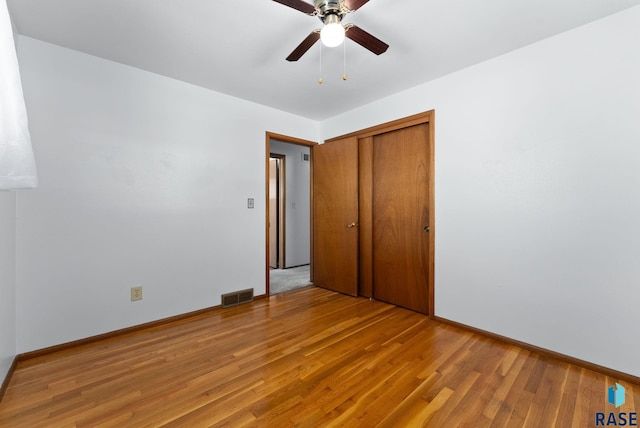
365	162
401	162
335	215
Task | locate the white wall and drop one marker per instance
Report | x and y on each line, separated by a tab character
297	211
7	276
144	180
538	190
7	281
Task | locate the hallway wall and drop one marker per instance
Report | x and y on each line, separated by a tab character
298	205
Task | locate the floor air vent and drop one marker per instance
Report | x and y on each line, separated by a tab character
237	297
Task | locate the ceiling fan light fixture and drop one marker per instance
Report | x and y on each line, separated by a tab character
332	34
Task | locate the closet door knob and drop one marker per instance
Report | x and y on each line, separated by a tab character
426	229
350	225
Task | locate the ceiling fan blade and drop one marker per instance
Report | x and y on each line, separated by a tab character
300	5
304	46
355	4
365	39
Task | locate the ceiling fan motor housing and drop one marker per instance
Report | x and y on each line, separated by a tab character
330	8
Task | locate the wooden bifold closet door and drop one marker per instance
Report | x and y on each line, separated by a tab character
372	213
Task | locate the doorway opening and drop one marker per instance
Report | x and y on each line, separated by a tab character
288	222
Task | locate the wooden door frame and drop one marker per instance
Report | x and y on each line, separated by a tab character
290	140
416	119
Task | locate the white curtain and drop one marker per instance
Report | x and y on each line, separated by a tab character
17	165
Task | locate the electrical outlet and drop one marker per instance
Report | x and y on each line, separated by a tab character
136	293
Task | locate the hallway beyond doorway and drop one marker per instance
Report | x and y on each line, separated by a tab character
289	279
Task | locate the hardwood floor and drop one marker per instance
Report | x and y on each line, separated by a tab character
309	357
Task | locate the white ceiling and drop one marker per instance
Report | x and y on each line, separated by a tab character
238	47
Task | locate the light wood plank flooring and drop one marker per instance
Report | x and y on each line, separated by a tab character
309	357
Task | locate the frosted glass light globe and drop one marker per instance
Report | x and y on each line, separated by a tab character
332	35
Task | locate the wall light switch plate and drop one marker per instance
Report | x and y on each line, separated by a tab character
250	203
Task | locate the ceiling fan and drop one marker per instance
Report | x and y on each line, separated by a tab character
333	33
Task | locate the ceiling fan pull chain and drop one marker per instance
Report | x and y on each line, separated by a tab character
320	80
344	68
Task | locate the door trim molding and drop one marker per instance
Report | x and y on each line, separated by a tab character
285	139
394	125
416	119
